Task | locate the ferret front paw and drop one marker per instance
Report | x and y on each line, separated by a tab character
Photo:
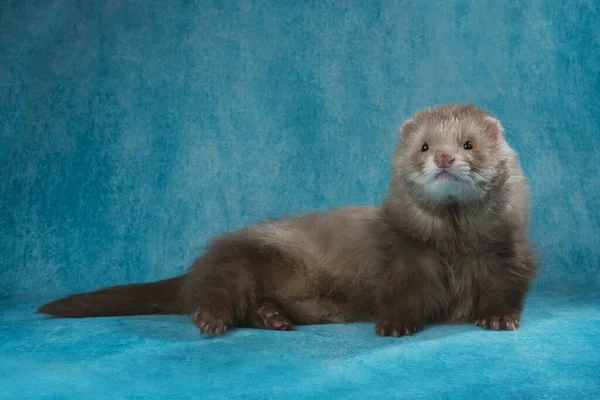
210	322
396	328
499	323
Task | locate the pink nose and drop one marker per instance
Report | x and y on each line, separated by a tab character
443	160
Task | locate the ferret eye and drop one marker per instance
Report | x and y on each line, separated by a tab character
425	147
468	145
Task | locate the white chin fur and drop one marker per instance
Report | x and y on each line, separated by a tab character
458	187
446	189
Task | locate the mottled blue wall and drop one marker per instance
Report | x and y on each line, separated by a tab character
132	131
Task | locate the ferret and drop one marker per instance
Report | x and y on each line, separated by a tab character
449	244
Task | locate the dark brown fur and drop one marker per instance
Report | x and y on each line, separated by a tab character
160	297
433	252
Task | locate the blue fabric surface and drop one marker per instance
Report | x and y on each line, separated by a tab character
132	131
555	354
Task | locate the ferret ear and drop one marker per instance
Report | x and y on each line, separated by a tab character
493	128
408	129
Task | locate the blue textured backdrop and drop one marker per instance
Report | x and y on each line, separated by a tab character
132	131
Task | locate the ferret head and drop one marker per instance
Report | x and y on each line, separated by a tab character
450	152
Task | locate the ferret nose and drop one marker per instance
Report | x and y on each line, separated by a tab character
443	159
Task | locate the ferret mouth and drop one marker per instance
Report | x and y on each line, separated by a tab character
445	175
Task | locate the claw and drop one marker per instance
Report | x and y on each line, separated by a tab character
495	324
396	328
501	323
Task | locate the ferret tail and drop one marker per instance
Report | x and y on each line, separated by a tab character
161	297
